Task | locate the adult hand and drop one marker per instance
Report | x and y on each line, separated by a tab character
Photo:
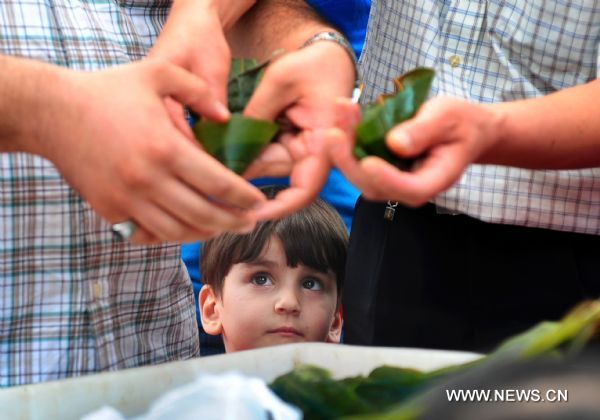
193	37
449	134
304	158
111	136
302	86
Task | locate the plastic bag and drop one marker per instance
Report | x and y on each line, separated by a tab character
229	396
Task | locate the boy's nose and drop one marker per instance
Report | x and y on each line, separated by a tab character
287	302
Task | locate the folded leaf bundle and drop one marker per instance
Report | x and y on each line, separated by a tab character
244	76
411	90
237	142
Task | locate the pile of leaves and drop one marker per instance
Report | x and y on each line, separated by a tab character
398	393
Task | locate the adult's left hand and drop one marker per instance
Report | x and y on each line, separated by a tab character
301	86
194	38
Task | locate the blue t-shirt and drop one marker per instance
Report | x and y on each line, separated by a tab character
350	17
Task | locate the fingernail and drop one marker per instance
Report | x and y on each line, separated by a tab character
401	140
222	111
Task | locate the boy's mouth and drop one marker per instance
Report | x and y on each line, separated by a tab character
286	332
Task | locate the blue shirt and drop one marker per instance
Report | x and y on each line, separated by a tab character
349	16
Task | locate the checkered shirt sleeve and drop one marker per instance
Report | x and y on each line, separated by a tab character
73	300
492	51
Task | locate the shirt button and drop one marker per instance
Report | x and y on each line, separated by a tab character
97	290
454	61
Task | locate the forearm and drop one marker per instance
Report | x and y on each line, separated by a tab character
29	89
274	24
558	131
229	11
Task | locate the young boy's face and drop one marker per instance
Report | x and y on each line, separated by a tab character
265	303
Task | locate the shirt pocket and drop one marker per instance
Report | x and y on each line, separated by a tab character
554	44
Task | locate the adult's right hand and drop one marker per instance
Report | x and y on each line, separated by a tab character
449	133
303	86
112	137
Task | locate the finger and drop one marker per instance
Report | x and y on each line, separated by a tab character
194	210
143	237
278	159
436	173
306	182
177	115
157	223
274	161
347	115
311	112
189	90
205	174
415	136
340	152
272	96
213	66
298	145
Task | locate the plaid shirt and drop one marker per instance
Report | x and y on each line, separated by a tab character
73	300
493	51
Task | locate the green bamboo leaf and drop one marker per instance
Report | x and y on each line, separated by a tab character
244	77
388	385
318	395
576	327
237	142
378	119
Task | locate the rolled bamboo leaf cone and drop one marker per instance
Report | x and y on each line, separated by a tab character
237	142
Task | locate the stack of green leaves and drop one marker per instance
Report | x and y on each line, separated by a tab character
237	142
397	393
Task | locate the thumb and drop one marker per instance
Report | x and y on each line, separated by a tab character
274	161
415	136
269	99
187	89
215	72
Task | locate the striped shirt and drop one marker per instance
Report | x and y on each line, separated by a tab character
73	300
493	51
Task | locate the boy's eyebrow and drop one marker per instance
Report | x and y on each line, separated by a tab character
261	261
270	264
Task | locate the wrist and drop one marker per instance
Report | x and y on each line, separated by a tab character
495	136
336	38
25	100
329	60
228	11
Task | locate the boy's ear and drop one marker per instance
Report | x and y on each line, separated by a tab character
209	311
335	330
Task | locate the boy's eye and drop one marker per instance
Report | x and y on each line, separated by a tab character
261	280
311	284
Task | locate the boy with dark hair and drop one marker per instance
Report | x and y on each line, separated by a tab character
281	283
